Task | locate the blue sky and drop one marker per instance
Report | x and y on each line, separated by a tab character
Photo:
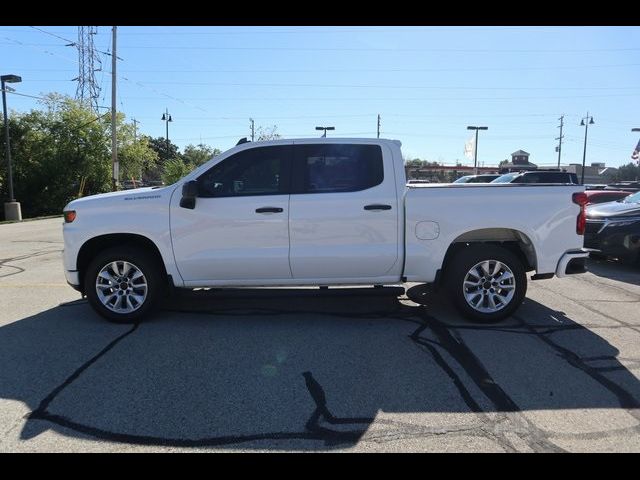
427	83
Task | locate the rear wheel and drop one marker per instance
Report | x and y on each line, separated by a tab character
486	283
123	283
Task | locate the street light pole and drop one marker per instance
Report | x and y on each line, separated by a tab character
325	130
167	118
589	121
11	208
115	166
475	150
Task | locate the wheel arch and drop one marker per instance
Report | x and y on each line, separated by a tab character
93	246
514	240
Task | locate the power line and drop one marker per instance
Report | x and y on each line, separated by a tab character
333	30
319	85
393	50
42	98
365	49
341	99
70	42
427	87
357	70
41	50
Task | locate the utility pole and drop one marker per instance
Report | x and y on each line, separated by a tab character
475	150
114	143
135	129
559	147
252	129
378	125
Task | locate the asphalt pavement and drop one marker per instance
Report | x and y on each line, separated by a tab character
357	369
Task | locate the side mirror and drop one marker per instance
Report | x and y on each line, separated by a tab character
189	194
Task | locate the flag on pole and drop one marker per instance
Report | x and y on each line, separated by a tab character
469	148
636	153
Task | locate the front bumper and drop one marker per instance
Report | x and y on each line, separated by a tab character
73	278
613	238
572	262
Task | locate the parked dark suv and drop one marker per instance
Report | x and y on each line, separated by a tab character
613	228
538	176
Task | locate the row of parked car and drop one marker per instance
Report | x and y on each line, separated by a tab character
528	176
613	211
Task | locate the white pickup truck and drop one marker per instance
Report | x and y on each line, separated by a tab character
320	212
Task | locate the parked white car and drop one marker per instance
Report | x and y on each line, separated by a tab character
321	212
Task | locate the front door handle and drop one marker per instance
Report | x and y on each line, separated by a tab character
376	206
269	210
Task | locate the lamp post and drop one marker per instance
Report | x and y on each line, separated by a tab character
475	150
11	208
166	117
589	121
325	130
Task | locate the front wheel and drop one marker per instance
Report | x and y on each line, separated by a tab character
486	283
123	284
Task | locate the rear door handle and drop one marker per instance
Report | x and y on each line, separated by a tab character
377	207
269	210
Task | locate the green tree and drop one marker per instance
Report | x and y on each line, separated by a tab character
193	156
159	146
196	155
630	171
414	163
62	150
136	157
165	151
55	150
174	170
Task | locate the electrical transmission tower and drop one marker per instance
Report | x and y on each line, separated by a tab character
88	91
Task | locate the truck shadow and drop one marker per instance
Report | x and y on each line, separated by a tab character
296	369
615	270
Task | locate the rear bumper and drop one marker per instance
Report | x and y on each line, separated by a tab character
572	262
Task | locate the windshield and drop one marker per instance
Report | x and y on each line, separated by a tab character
635	198
506	178
464	179
483	178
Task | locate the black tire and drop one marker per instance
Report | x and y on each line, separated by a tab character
144	262
464	261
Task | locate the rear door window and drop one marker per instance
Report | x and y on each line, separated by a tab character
330	168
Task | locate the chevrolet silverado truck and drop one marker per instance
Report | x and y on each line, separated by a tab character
320	212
